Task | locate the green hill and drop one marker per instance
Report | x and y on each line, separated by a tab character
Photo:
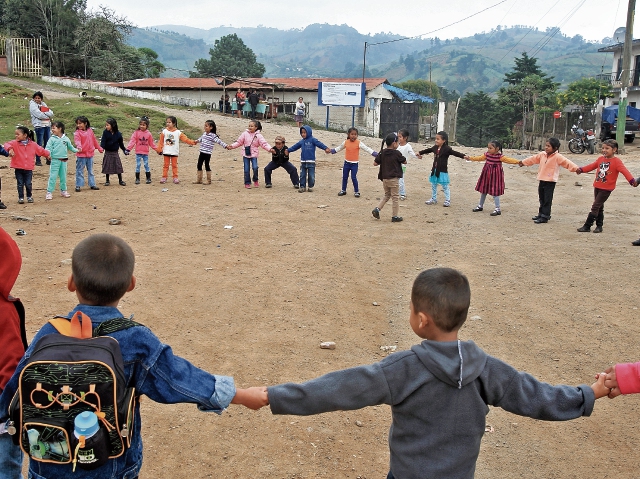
466	64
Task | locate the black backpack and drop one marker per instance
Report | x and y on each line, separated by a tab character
67	374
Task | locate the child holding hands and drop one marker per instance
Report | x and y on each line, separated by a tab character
208	139
251	140
58	145
439	170
169	146
352	155
23	159
142	140
280	158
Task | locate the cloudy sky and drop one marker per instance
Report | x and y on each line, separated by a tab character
593	19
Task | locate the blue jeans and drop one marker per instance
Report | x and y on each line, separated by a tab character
43	133
142	158
307	168
353	168
23	177
81	163
445	188
250	163
10	458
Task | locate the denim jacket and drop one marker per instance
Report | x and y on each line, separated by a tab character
151	367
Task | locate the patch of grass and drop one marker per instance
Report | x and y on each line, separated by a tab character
14	111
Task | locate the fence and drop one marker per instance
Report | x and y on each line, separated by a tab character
546	126
24	56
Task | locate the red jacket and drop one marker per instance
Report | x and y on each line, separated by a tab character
607	174
12	331
24	157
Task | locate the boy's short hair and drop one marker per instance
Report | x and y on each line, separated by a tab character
443	294
102	267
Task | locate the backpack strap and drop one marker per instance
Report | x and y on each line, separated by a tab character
79	326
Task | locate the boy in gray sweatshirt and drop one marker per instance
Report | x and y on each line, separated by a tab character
438	390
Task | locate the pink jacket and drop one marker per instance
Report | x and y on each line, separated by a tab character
24	157
141	141
628	377
550	165
254	140
87	141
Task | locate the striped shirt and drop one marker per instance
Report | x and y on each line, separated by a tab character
207	141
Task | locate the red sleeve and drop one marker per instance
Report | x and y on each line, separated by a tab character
151	143
590	166
628	377
625	172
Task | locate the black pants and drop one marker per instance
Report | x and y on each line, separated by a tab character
597	209
292	170
545	195
204	158
253	110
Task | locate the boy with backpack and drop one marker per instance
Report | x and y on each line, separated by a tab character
13	341
102	272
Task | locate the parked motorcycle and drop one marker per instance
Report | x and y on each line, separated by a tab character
584	140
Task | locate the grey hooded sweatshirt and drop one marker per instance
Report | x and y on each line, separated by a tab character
438	393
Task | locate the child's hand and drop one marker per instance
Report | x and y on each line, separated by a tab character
520	164
611	382
126	152
273	151
466	157
229	147
286	152
79	150
327	150
253	398
599	389
579	171
419	156
375	154
333	151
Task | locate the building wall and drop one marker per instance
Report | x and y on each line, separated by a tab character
633	93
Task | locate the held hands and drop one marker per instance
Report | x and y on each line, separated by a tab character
610	383
333	151
253	398
272	151
126	152
599	388
579	171
520	164
327	150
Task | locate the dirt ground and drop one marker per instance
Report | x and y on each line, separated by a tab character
255	301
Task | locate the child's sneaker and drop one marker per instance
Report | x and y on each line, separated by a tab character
496	212
268	185
403	197
342	193
376	213
21	200
357	194
163	180
176	181
247	186
2	206
432	201
78	189
30	199
48	196
256	184
296	186
446	203
65	194
477	208
309	190
301	190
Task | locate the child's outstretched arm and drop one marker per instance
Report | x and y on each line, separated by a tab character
253	398
185	139
476	158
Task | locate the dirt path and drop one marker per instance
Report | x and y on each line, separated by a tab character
255	301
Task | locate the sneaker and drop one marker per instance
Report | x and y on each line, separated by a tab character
634	243
357	194
4	207
30	199
93	188
122	183
256	184
21	200
403	197
247	186
309	189
78	188
48	196
496	212
432	201
296	186
396	219
342	193
175	181
48	162
376	213
301	190
163	180
268	185
446	203
65	194
107	183
477	208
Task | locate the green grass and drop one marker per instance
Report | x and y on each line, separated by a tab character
14	111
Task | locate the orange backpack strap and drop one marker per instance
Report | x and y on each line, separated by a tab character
79	326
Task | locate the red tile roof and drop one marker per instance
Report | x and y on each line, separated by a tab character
295	84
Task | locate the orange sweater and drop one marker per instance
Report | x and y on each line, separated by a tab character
550	165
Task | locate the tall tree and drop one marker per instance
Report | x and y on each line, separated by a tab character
585	92
150	64
525	66
230	57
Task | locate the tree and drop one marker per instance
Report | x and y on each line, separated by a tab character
481	119
585	92
525	66
150	64
230	57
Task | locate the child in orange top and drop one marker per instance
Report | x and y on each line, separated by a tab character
351	157
608	168
550	162
169	145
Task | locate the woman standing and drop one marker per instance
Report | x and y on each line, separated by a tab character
41	116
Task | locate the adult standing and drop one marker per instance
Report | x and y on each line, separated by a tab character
253	101
299	112
41	116
240	101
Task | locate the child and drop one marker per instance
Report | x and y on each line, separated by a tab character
351	157
102	273
41	116
439	389
251	139
58	145
390	161
86	141
280	158
3	152
112	140
169	146
299	112
491	181
405	148
23	161
207	140
550	162
308	157
605	182
439	170
14	343
142	140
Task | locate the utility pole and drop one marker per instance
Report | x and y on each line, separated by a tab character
626	66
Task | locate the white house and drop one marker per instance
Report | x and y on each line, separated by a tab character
615	77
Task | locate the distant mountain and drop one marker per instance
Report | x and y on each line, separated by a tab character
474	63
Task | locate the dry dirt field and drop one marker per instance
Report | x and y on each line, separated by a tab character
255	301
